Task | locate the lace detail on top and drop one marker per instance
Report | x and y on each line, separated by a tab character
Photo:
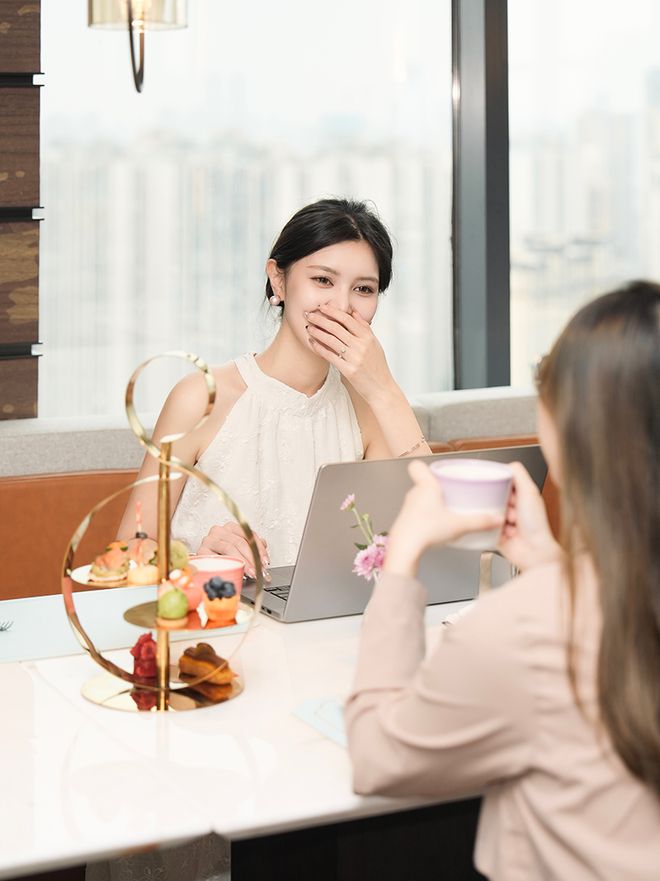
266	456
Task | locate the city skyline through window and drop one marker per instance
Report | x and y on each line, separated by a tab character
584	105
161	208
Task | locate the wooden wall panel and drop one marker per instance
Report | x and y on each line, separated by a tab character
20	50
19	283
19	147
18	387
20	38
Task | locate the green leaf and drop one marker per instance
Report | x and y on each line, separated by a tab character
360	547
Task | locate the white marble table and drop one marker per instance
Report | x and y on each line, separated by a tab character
88	782
70	791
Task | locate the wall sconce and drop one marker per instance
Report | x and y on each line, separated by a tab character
137	16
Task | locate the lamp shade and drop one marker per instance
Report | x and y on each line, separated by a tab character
147	14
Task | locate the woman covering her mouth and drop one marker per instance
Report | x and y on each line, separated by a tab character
321	392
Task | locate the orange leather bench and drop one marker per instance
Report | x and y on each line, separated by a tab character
39	516
41	512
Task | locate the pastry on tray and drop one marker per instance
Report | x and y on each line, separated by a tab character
110	568
221	601
142	575
185	581
201	660
179	558
213	692
145	701
144	659
145	672
172	609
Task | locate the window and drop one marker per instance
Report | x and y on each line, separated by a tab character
160	208
584	98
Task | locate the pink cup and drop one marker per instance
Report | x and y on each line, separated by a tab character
212	565
471	486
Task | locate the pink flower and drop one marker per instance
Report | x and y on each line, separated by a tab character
348	502
368	562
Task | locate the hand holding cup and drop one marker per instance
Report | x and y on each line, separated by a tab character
475	486
425	520
526	539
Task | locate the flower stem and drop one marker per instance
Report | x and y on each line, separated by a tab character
360	522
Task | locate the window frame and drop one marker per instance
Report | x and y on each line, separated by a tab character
480	208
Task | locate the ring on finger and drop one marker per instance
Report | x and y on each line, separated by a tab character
342	353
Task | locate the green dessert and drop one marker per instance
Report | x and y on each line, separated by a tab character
173	607
178	555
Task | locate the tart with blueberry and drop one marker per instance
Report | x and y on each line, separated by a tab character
220	601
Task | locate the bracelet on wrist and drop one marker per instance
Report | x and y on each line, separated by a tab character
414	447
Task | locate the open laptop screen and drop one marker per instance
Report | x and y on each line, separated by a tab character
323	584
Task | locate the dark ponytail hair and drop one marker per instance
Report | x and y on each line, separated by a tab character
329	222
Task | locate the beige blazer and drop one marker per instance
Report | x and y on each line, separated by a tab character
490	710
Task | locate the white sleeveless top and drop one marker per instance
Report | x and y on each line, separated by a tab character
266	456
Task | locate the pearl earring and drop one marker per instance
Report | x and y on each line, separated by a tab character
274	300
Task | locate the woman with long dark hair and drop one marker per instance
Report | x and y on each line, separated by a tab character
546	695
321	392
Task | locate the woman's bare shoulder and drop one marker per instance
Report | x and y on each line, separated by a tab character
230	385
190	395
188	400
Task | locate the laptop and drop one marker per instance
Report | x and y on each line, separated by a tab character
322	584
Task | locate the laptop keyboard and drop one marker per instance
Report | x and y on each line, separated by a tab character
281	592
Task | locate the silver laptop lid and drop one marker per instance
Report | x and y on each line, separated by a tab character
323	585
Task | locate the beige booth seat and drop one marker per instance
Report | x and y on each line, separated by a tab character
53	471
473	413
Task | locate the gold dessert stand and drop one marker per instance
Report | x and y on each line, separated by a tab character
106	690
118	688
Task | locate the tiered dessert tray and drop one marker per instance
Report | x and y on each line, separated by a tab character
116	687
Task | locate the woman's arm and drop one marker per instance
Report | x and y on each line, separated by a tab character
447	726
527	539
181	412
451	724
463	718
424	521
388	424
